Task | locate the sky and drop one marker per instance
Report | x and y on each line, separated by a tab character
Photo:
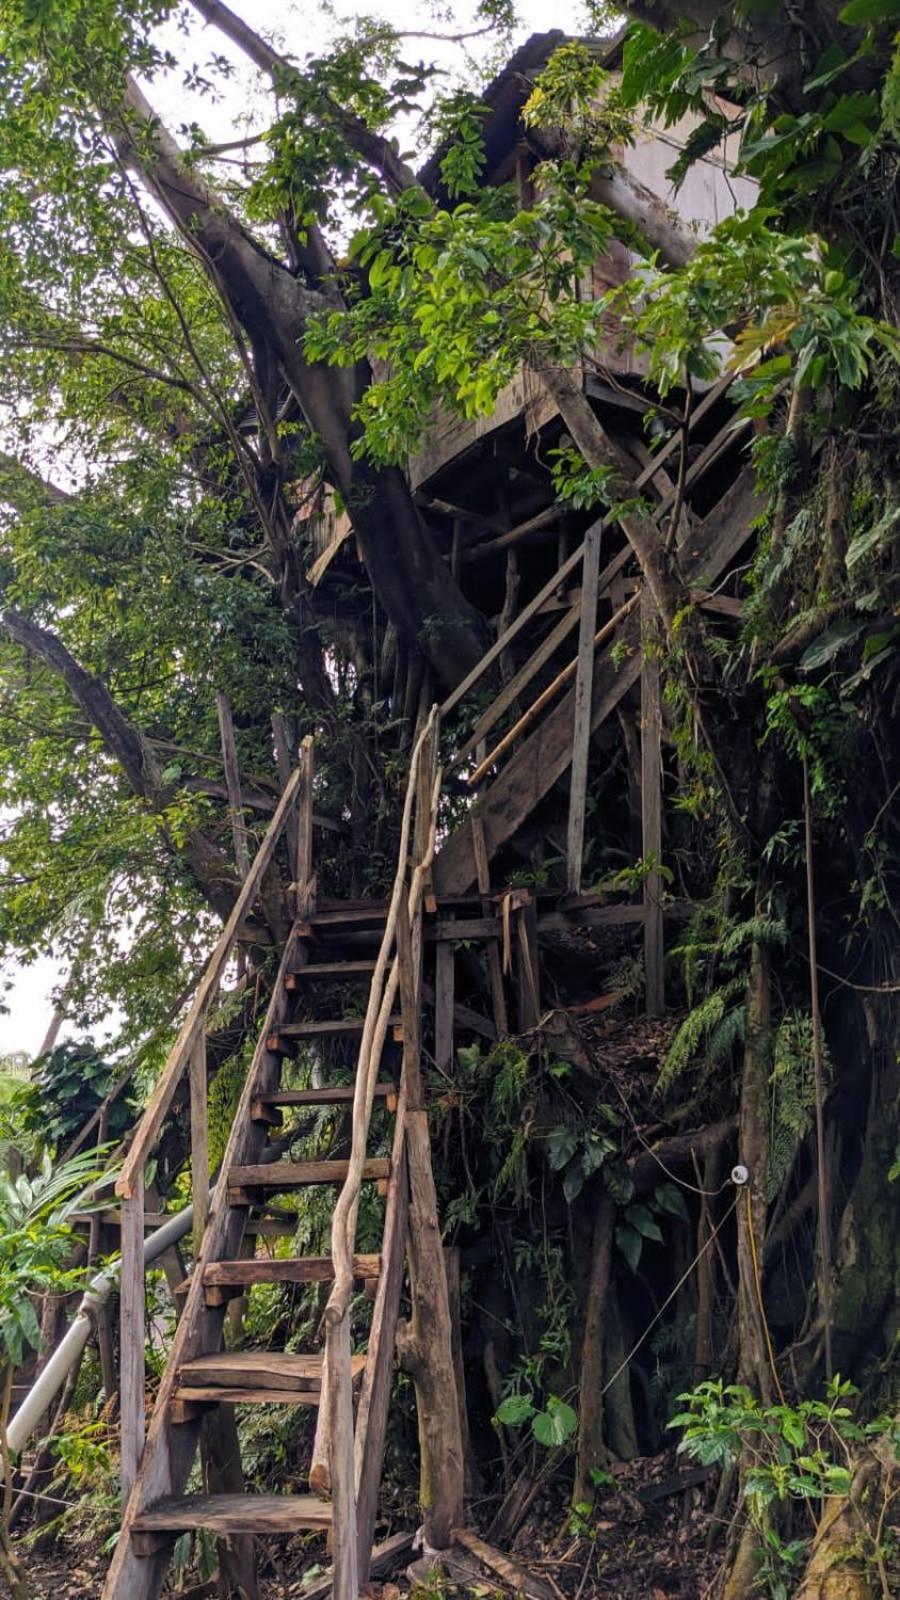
296	28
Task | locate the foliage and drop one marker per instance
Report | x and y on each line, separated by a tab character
66	1087
791	1454
36	1214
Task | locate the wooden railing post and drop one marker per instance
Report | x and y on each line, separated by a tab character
581	737
303	850
651	807
199	1138
131	1336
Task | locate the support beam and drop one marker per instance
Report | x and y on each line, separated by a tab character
581	735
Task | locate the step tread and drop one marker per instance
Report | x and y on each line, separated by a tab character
280	1175
313	1028
279	1370
235	1513
329	969
285	1269
336	1094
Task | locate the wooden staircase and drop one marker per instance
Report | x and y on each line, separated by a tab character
201	1377
378	945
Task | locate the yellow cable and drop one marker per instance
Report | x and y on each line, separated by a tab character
759	1295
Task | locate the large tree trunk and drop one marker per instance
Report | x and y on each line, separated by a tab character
406	569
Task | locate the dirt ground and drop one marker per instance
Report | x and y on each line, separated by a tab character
646	1540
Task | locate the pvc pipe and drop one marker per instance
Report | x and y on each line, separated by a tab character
49	1382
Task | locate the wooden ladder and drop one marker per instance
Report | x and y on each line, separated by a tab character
200	1376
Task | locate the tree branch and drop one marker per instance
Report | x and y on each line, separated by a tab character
21	486
127	745
374	148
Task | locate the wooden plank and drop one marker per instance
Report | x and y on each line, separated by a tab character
235	1513
152	1120
233	785
336	1094
199	1139
257	1369
284	1175
190	1403
495	970
528	984
284	1269
581	735
651	808
320	970
503	1566
132	1333
712	546
311	1029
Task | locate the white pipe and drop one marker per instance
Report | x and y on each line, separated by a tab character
48	1384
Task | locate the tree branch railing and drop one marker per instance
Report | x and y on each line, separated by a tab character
333	1455
187	1057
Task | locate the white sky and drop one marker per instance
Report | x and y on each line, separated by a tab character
297	28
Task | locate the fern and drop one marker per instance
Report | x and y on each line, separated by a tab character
791	1094
756	930
697	1026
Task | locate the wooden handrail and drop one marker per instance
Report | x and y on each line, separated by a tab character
179	1056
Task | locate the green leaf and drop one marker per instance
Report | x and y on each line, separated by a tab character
830	642
669	1198
640	1218
631	1244
514	1410
869	13
555	1425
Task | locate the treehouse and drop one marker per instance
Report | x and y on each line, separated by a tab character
534	855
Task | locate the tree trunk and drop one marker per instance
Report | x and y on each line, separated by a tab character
591	1448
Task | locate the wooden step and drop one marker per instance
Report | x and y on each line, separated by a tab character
224	1514
246	1185
322	971
279	1371
223	1280
250	1378
281	1041
264	1107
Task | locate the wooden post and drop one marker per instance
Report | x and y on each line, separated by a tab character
581	734
233	784
528	984
444	974
343	1494
651	807
495	969
131	1336
199	1138
304	845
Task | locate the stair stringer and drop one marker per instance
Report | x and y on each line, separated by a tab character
543	757
170	1448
